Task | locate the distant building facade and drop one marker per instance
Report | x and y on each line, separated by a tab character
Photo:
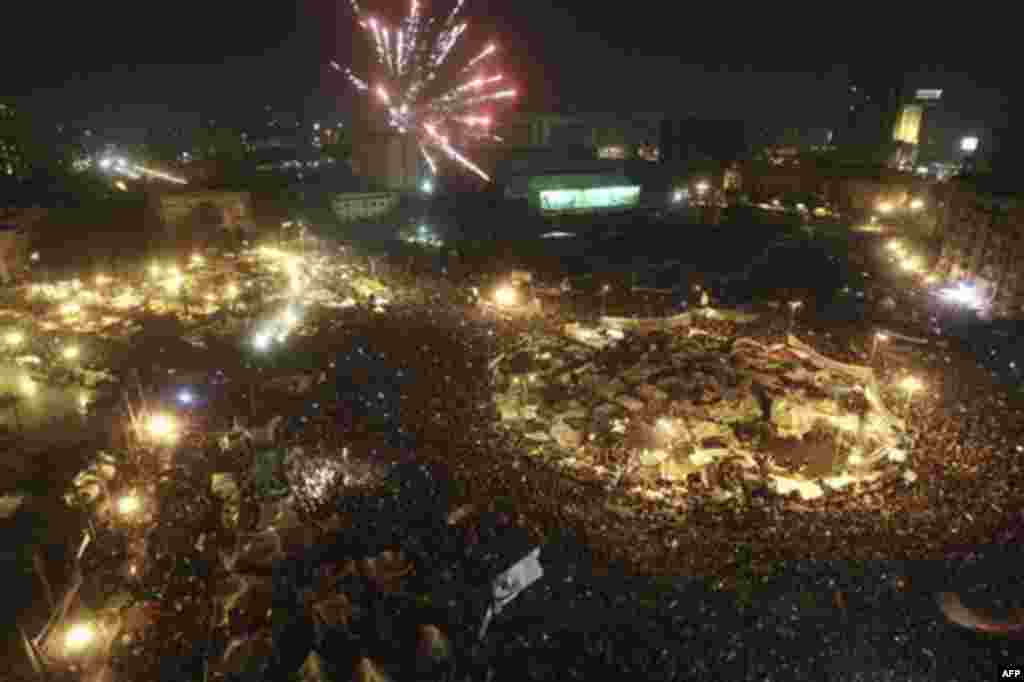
356	206
689	139
388	159
982	235
193	213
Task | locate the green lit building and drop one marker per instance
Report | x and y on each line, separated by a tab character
582	193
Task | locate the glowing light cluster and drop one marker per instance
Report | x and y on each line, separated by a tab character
162	428
318	478
963	294
129	504
79	636
506	296
589	198
411	57
911	385
134	171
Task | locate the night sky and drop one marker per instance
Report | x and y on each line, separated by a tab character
120	66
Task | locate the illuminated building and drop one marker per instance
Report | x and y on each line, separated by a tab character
981	226
928	95
582	193
908	125
355	206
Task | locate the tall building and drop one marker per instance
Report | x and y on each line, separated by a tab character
908	124
383	156
908	131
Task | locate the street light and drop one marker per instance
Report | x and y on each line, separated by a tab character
969	144
162	427
79	636
14	338
128	504
885	207
916	204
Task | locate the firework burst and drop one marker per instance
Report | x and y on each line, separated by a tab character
411	58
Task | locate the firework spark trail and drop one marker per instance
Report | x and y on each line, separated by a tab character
455	12
474	84
356	81
401	51
409	62
446	43
484	54
429	158
442	142
474	101
387	50
474	120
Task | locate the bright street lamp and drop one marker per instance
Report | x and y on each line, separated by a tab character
969	144
506	296
79	636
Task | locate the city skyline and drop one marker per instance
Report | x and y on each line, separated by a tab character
230	61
